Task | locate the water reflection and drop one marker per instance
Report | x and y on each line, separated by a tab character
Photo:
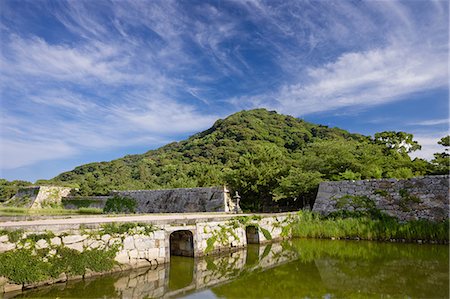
299	268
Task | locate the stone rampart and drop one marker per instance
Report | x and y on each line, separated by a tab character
76	202
409	199
182	200
137	243
37	197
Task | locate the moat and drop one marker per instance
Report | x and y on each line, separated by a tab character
297	268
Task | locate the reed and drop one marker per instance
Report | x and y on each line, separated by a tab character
384	228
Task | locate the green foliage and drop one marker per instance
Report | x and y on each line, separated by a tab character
120	204
13	211
36	237
221	235
266	233
27	266
89	211
441	160
13	235
9	189
21	266
310	225
356	201
399	141
383	193
263	155
407	199
123	228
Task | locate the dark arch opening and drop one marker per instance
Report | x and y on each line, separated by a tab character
252	234
182	243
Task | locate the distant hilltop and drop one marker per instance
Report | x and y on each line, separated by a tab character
270	158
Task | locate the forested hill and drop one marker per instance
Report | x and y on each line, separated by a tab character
264	155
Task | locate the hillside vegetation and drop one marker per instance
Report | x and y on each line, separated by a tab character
265	156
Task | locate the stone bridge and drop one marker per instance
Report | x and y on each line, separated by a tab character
147	240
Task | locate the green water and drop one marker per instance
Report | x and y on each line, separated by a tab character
294	269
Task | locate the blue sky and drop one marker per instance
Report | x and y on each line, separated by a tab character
85	81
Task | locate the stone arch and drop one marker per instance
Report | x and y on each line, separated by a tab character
252	234
182	243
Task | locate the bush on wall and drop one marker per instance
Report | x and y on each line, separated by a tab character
120	204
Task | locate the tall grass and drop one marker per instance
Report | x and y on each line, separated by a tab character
311	225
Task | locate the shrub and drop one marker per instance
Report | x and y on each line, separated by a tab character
120	204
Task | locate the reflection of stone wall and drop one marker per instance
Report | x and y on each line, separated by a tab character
416	198
143	283
182	200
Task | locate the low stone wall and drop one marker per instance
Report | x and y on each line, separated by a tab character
76	202
154	282
134	245
410	199
182	200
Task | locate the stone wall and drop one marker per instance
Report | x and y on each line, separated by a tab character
141	244
49	195
37	197
76	202
154	282
410	199
182	200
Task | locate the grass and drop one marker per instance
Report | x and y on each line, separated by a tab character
14	211
26	266
124	228
120	204
383	228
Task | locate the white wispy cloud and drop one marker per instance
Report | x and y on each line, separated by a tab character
429	144
14	154
432	122
402	66
146	71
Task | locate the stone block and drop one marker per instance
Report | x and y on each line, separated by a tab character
106	238
93	244
122	257
133	254
162	252
11	287
143	243
151	253
4	239
7	247
160	235
76	246
128	243
73	239
114	241
56	241
41	244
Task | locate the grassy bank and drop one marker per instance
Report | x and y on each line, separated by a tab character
14	211
367	227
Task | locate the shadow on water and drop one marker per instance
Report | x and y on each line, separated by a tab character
298	268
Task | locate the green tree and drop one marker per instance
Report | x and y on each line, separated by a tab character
399	141
256	175
441	160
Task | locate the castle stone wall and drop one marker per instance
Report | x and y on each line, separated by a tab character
182	200
409	199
